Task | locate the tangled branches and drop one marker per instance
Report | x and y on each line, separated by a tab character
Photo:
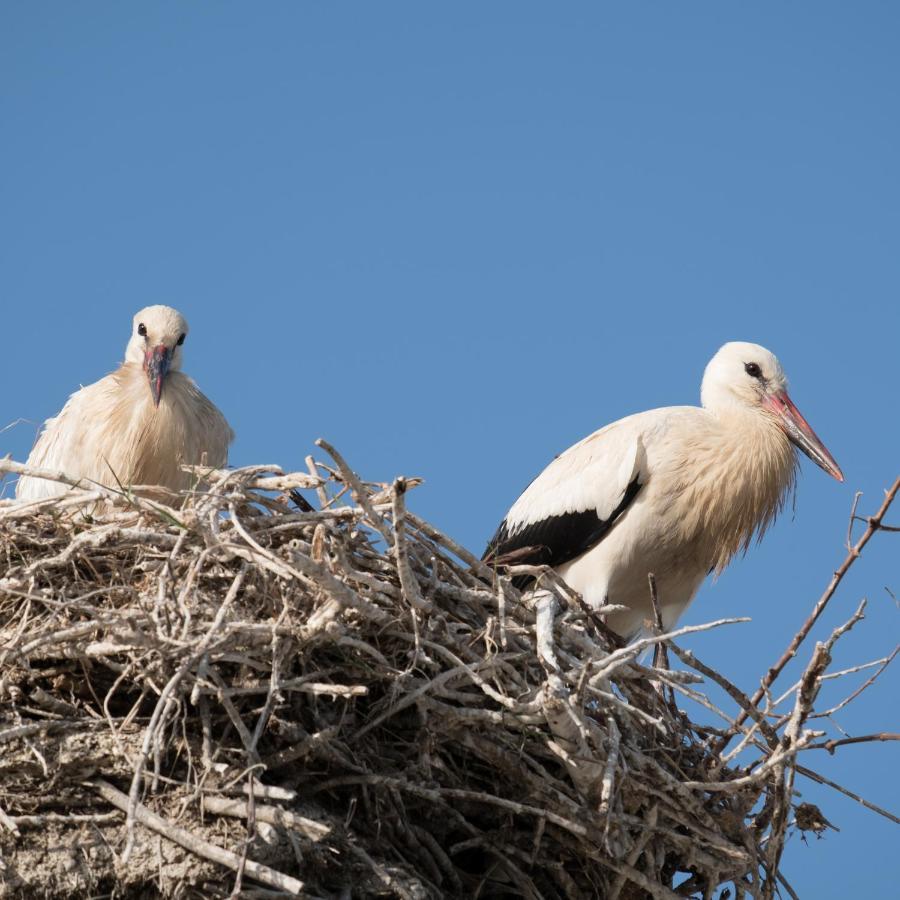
208	692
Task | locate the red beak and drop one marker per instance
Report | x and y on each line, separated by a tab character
156	364
799	432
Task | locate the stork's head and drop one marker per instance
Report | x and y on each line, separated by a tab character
748	376
156	340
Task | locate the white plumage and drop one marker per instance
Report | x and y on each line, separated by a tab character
139	424
675	492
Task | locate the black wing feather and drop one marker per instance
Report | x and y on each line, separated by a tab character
556	539
301	502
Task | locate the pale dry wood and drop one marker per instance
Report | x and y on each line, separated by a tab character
274	815
203	848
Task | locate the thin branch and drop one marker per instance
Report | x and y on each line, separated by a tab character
196	845
874	524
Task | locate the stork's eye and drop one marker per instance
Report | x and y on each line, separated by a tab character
753	370
142	330
180	340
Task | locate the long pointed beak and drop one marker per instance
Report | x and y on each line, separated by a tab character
800	433
156	362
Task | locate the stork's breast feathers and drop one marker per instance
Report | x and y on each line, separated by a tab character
727	485
201	427
114	432
111	431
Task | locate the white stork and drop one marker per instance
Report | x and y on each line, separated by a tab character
137	425
676	491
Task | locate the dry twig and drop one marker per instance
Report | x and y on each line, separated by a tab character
401	721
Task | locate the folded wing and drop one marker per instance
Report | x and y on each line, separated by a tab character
571	506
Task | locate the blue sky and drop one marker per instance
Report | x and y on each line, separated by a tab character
454	239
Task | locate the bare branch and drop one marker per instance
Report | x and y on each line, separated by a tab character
874	524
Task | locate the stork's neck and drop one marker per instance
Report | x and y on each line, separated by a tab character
734	477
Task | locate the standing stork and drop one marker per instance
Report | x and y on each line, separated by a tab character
139	424
676	491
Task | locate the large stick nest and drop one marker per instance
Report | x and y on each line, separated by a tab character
216	693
